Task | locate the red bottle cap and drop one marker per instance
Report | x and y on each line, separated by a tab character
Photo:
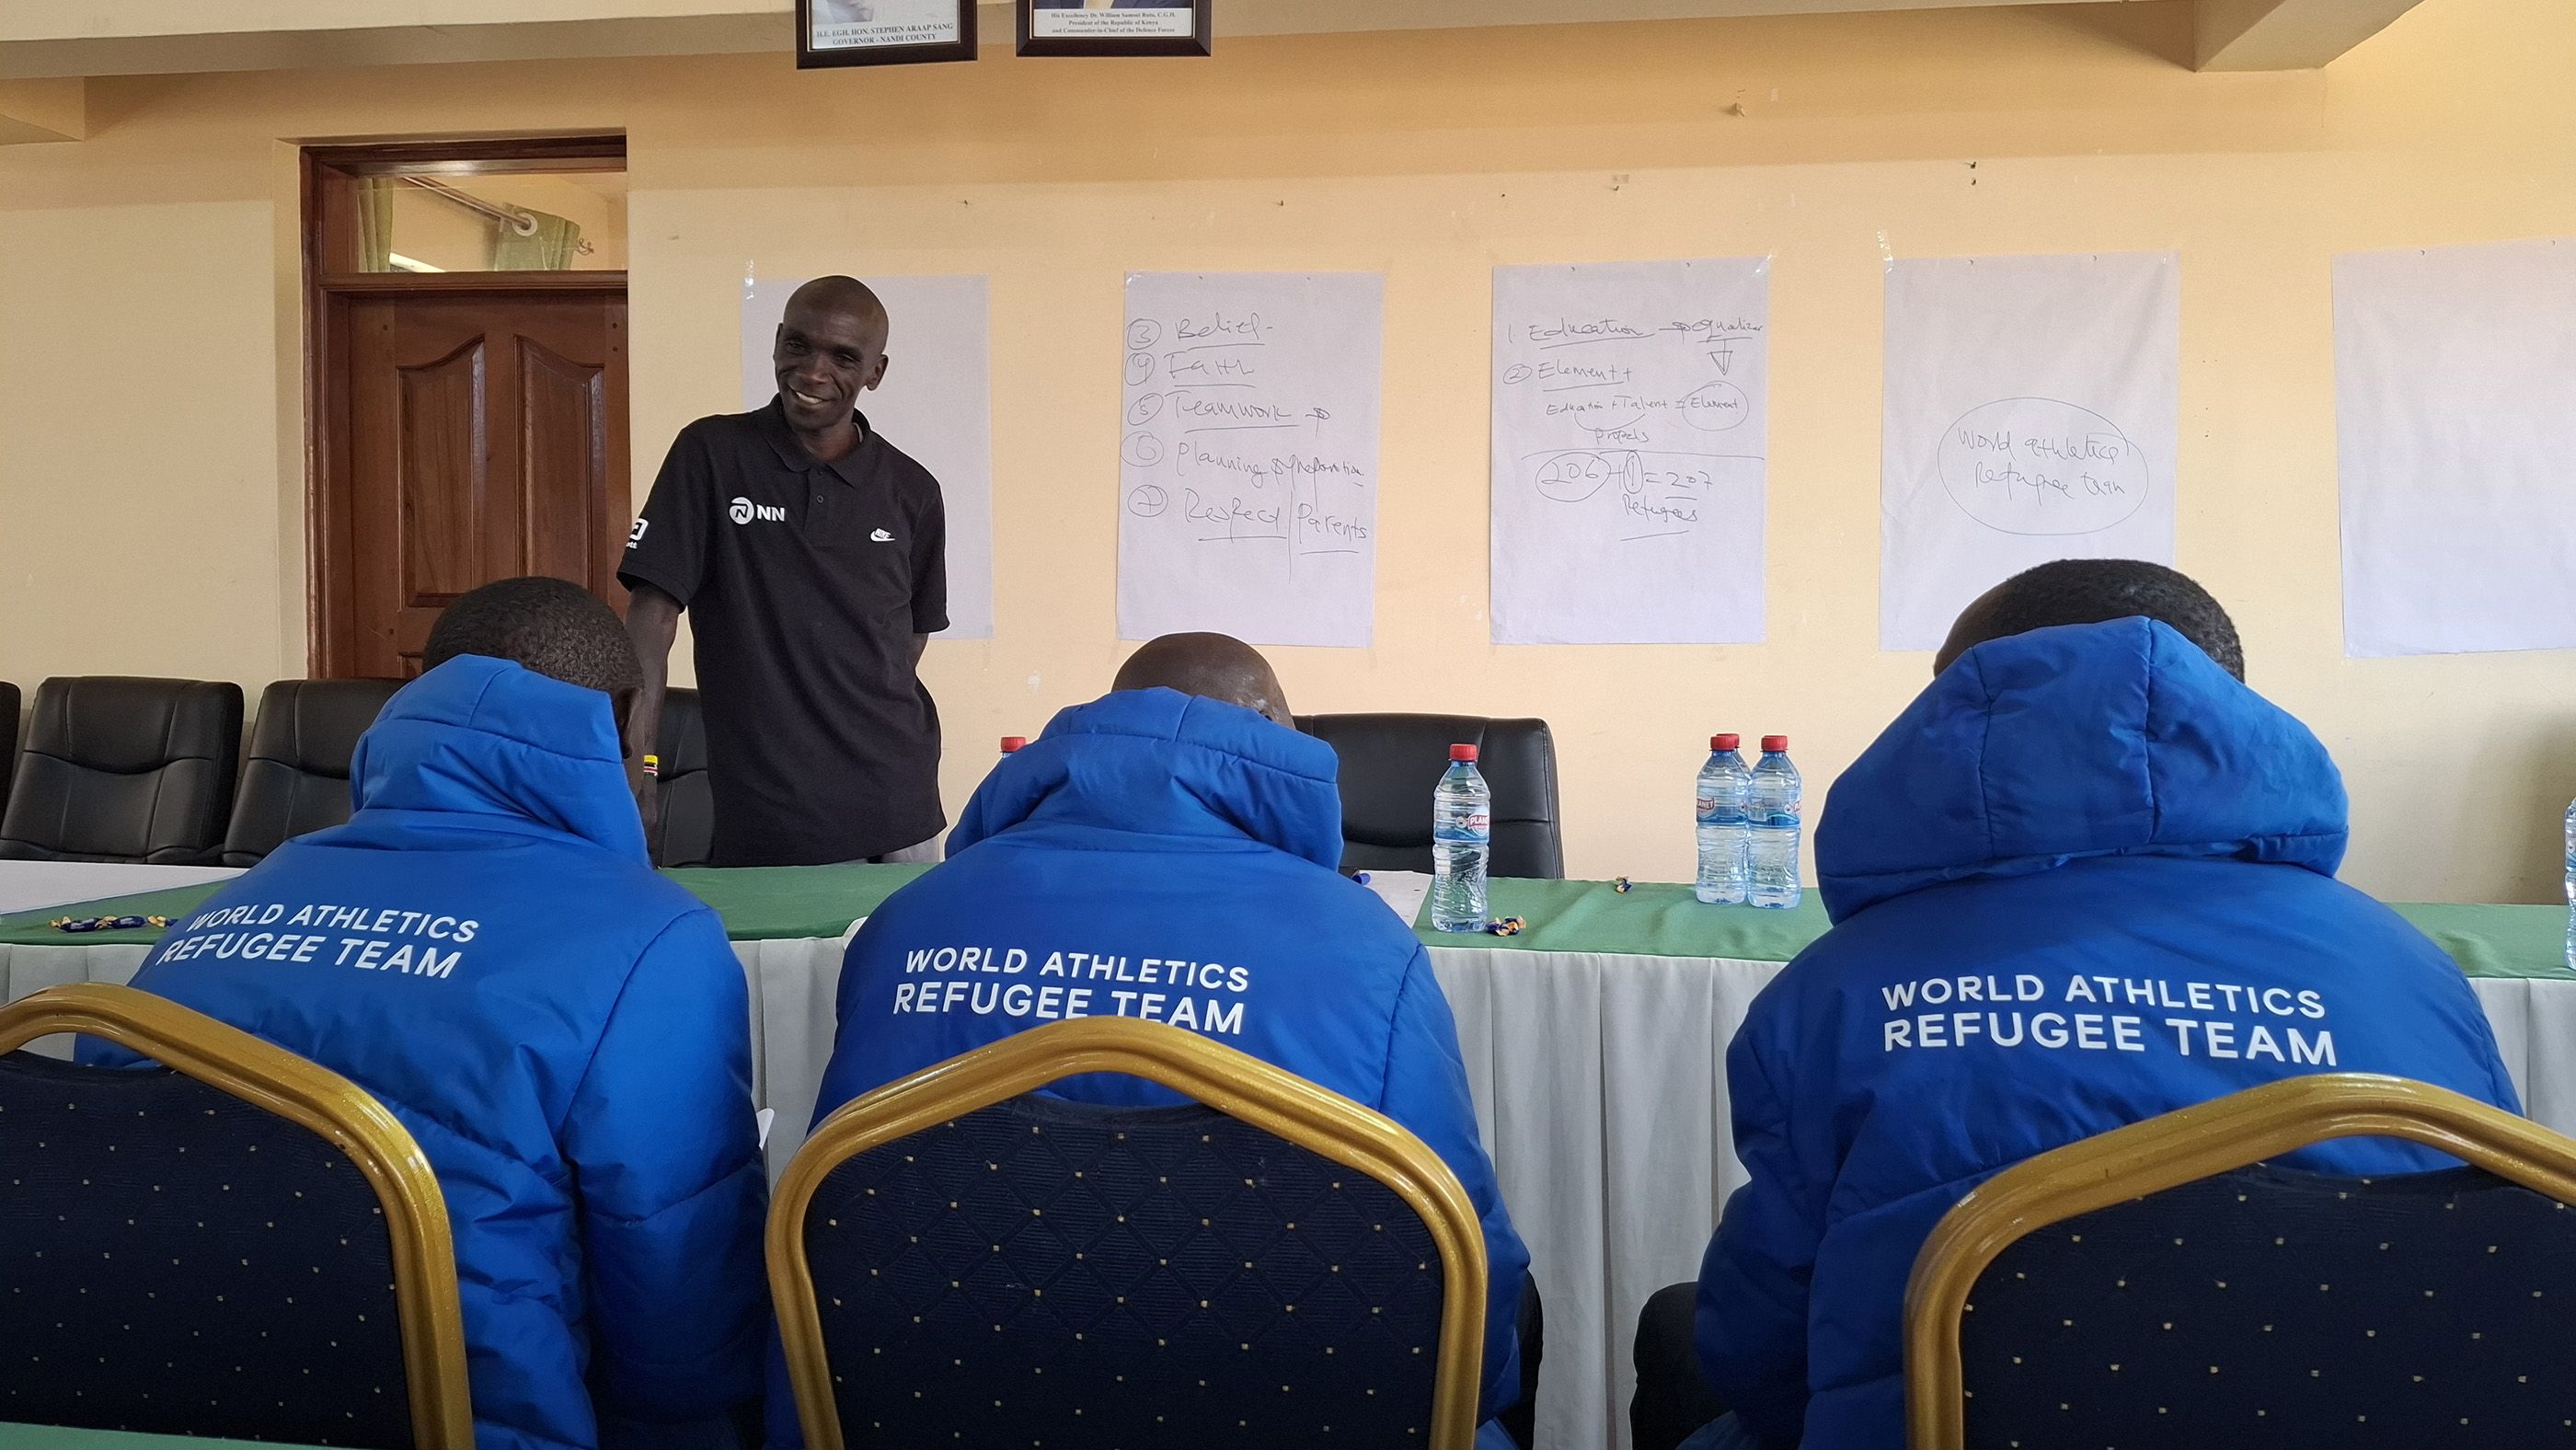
1011	743
1725	742
1774	744
1462	752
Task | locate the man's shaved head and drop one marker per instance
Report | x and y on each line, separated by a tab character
847	296
831	347
1213	666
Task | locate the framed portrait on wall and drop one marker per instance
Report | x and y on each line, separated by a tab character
883	32
1115	27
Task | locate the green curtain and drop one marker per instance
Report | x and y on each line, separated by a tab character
375	223
549	248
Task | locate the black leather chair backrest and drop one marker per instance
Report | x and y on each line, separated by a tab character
121	769
9	706
687	835
296	781
2283	1309
1090	1278
1391	763
176	1261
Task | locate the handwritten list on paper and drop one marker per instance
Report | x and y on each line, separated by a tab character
1630	417
1248	456
2032	412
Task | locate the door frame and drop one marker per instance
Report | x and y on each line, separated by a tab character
331	283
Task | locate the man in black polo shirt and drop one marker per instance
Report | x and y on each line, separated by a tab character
811	556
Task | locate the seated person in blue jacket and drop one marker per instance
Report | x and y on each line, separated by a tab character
1181	817
485	948
2085	878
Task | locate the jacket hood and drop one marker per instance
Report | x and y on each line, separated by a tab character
498	743
2116	739
1161	763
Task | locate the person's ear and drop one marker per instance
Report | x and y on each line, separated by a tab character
877	374
621	703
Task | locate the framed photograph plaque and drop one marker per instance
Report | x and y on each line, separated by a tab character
883	32
1115	27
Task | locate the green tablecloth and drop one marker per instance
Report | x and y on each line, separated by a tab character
1652	920
58	1437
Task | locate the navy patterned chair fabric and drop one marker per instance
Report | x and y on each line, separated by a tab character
2170	1284
1042	1271
175	1259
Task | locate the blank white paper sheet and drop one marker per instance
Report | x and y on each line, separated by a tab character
2455	384
1630	414
936	404
2032	412
1248	456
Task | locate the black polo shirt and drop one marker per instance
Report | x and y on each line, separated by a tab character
804	583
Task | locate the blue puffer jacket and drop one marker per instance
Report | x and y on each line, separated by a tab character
1162	829
484	948
2086	878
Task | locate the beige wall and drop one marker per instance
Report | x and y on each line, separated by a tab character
150	469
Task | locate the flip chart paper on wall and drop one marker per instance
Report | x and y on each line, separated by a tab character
1248	453
2032	413
2455	383
1630	417
936	405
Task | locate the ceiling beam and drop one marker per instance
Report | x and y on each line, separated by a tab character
146	37
2256	35
46	110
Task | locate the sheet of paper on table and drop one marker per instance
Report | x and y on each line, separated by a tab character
30	885
1248	456
936	405
1630	423
1402	891
2032	412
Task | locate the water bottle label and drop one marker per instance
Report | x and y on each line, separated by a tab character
1707	806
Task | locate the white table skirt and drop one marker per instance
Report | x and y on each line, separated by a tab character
1600	1088
29	885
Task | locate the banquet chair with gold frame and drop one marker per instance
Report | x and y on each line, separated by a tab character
2166	1284
234	1243
959	1259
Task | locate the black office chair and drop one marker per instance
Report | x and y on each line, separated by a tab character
237	1244
9	707
297	779
1391	763
687	834
2161	1285
120	769
955	1259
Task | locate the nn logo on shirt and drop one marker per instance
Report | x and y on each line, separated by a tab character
744	511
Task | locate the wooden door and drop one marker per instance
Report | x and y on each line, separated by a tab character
486	439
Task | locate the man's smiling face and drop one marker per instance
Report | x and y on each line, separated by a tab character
825	356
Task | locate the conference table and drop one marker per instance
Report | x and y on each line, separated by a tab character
1595	1045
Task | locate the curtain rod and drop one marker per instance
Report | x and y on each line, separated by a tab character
516	219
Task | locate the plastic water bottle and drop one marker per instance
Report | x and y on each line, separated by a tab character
1013	744
1462	830
1771	805
2571	888
1724	850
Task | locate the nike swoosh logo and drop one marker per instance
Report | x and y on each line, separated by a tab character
881	537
